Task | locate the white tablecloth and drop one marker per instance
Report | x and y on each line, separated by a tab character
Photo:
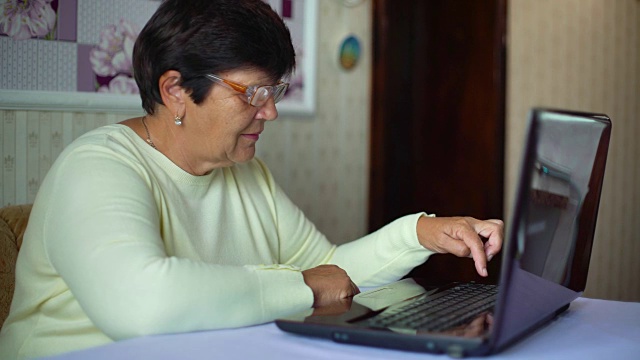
590	329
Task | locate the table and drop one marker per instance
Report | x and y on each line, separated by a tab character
590	329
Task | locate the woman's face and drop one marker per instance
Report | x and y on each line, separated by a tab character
224	128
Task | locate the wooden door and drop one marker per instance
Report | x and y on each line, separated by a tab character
438	115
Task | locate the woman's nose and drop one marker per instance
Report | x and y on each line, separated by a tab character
268	111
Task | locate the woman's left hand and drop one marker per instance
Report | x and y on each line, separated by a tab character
462	236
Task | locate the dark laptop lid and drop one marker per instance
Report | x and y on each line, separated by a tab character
550	234
546	251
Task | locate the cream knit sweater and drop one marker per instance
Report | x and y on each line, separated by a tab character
123	243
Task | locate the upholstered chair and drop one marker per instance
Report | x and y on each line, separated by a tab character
13	222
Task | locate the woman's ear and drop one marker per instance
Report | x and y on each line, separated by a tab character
172	93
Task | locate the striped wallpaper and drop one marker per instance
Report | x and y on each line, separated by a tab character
584	55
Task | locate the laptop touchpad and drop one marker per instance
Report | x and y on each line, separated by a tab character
388	295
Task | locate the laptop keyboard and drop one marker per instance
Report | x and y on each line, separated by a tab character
440	311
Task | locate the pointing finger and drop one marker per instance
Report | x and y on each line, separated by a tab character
475	245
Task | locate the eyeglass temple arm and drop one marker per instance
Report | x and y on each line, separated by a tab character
228	83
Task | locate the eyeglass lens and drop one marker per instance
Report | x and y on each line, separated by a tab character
262	94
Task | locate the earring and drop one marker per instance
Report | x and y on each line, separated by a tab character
178	120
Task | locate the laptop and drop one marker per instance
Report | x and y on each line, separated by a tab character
545	258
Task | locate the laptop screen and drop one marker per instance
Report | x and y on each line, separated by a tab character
555	214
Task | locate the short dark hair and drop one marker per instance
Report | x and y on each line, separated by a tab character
197	37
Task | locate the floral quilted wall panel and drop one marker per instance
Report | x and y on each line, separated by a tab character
76	45
85	46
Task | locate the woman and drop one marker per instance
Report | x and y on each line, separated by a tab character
168	223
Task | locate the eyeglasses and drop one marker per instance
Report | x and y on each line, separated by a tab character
257	95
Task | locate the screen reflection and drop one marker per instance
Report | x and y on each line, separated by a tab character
555	218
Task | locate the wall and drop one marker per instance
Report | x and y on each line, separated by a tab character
583	55
320	161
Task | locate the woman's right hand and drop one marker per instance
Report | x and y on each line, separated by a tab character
330	284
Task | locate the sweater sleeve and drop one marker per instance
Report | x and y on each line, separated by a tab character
375	259
101	236
384	255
